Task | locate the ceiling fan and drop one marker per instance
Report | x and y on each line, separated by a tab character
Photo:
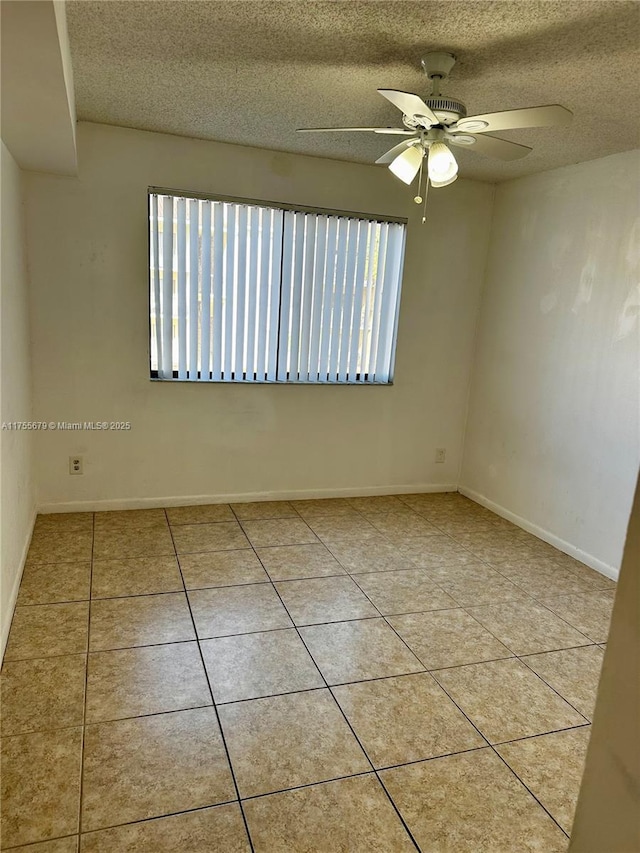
431	125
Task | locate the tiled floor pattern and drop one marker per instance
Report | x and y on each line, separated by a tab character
367	674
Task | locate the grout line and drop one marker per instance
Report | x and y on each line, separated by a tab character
584	725
86	685
220	729
320	673
361	544
479	733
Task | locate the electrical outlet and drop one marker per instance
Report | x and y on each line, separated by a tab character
441	454
75	465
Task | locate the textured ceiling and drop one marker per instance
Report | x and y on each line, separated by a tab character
252	71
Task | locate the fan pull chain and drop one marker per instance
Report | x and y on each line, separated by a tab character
418	197
426	193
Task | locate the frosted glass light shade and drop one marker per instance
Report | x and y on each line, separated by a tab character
407	164
442	165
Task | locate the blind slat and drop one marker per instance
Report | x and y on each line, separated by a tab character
193	318
316	311
182	288
240	292
296	295
307	296
155	266
165	364
274	294
218	290
253	292
228	294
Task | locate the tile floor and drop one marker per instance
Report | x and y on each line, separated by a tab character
368	674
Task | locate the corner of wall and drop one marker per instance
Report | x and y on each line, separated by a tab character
476	333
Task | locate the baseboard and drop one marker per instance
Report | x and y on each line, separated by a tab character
604	569
13	595
244	497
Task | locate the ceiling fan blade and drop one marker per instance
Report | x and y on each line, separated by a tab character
493	146
393	152
548	116
411	105
392	131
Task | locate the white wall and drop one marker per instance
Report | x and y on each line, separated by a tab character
16	481
88	269
553	432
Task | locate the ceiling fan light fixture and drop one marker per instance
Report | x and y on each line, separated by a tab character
443	183
472	125
442	166
462	139
407	164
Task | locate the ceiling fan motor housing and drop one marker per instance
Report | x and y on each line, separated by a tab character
448	110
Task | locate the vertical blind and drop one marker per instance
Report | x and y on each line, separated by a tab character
241	292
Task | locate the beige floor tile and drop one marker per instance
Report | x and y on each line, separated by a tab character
136	576
79	521
436	551
221	536
447	638
201	514
123	543
494	547
47	583
448	574
278	531
253	510
399	526
294	562
364	557
543	580
221	568
345	527
505	700
473	589
317	600
237	610
574	673
358	537
551	766
405	718
377	503
527	628
215	830
589	613
587	575
153	766
130	519
42	694
405	591
455	526
285	741
470	803
323	507
56	545
57	845
149	680
351	815
40	785
357	651
143	620
44	630
254	665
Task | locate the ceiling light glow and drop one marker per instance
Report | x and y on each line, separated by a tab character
407	164
442	165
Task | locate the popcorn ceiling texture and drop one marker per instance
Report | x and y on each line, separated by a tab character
250	73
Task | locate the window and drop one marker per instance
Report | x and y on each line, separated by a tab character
242	291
